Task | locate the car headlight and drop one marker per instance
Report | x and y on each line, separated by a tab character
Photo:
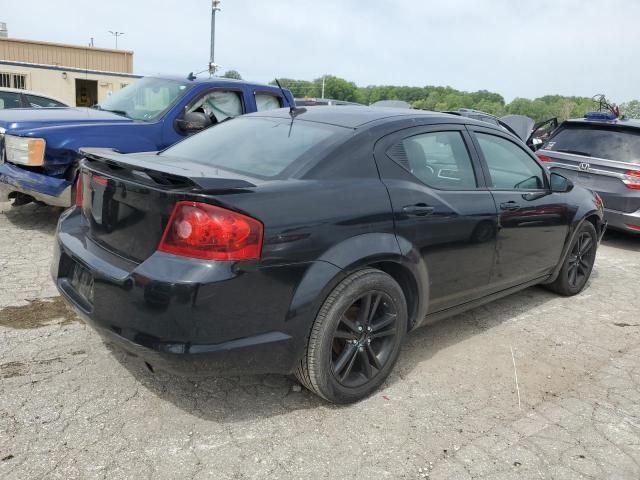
24	150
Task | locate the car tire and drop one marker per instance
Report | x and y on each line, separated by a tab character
578	264
356	337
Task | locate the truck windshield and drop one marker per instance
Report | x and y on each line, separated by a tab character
146	99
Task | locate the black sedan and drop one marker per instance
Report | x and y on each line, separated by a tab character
310	241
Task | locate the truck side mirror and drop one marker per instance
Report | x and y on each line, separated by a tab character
192	122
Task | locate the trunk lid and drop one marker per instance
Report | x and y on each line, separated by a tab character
127	199
598	174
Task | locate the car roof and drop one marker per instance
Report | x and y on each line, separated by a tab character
204	80
354	116
29	92
628	123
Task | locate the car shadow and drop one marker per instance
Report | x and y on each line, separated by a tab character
234	399
32	216
622	240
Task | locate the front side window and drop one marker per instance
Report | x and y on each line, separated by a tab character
258	146
509	166
9	100
219	105
438	159
614	144
147	99
35	101
266	101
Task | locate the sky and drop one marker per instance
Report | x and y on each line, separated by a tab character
516	48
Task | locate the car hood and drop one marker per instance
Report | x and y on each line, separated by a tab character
520	124
19	120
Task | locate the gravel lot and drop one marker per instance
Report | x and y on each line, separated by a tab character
72	408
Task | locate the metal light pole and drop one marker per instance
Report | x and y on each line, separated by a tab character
215	7
116	34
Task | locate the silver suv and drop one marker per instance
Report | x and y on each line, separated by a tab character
601	152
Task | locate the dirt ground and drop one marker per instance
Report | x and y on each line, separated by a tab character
70	407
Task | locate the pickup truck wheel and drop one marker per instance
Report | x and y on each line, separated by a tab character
356	338
578	265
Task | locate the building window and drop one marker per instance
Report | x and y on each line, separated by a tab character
122	85
19	81
13	80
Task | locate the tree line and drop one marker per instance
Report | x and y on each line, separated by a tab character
447	98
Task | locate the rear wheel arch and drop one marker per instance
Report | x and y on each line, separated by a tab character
408	283
591	217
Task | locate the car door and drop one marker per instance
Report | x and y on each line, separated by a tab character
533	221
441	208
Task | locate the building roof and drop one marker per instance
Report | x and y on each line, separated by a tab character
63	55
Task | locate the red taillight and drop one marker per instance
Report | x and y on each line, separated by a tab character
631	179
633	227
79	190
544	158
98	180
200	230
599	201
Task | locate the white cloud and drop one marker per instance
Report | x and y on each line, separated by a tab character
513	47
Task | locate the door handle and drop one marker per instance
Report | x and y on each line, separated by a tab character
418	210
511	205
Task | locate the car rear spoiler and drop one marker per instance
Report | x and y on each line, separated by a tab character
173	173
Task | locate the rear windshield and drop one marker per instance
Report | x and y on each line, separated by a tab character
258	146
613	144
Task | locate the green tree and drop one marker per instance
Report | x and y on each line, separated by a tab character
337	88
441	98
232	74
631	109
299	88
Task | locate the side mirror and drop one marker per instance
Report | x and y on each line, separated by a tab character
560	184
536	143
192	122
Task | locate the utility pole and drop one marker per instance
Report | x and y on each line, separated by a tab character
215	7
323	77
116	34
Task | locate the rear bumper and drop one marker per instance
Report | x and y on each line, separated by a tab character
44	188
257	354
623	221
185	316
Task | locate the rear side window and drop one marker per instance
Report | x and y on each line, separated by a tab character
438	159
509	166
258	146
266	101
621	145
9	100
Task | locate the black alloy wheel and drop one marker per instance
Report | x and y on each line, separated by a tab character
578	263
581	260
356	337
363	340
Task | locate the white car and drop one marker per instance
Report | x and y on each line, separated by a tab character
17	98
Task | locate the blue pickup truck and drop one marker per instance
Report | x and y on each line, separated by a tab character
39	148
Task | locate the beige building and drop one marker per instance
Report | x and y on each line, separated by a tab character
77	75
